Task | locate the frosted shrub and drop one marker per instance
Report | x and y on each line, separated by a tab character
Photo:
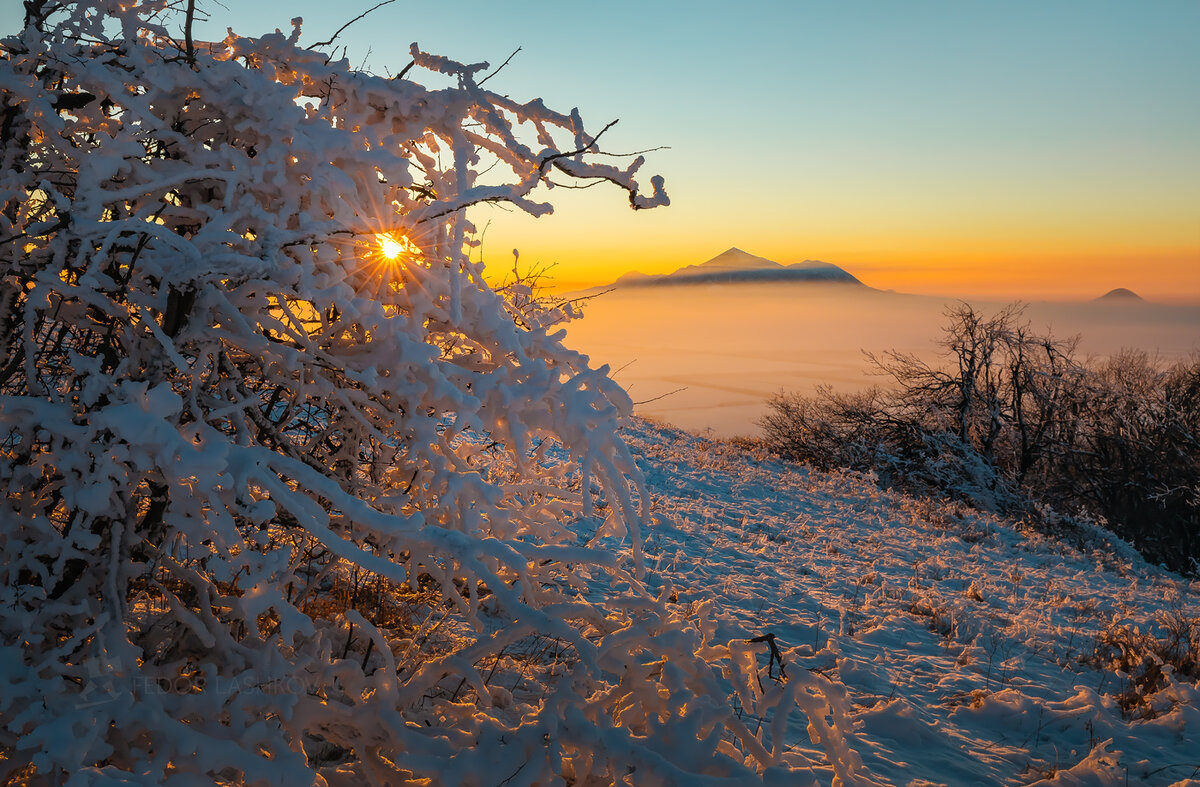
1148	663
1013	422
291	495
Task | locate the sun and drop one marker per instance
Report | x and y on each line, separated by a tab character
396	247
383	261
390	247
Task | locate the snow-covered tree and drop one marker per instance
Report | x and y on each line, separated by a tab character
291	494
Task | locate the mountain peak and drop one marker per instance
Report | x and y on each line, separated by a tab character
1120	294
732	259
735	265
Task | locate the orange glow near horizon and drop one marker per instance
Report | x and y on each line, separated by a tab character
1168	275
1023	261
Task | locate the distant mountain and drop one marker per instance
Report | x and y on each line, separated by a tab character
1120	294
634	278
730	261
735	265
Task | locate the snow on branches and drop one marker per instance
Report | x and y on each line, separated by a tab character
290	493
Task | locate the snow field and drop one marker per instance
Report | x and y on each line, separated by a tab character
966	644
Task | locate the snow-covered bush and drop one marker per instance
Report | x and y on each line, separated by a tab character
292	495
1148	662
1012	421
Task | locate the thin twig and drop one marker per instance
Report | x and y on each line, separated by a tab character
367	655
513	775
624	367
664	396
634	153
366	57
352	21
501	67
1176	765
600	179
588	298
769	638
583	149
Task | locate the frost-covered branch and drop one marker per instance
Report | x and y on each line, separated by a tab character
286	483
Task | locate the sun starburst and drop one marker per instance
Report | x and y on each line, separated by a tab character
394	247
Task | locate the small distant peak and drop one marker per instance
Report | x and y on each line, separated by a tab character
733	258
1120	294
636	278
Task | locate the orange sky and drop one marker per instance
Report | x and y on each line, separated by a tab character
921	245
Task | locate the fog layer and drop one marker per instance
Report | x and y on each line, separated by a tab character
731	346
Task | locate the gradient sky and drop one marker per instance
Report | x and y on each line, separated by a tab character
1028	149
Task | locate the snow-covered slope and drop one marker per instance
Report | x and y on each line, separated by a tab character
968	648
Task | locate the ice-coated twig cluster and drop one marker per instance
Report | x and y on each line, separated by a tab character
291	494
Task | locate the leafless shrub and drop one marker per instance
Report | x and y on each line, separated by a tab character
1013	421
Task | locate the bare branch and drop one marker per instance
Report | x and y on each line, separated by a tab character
634	153
333	38
663	396
596	182
584	149
588	298
405	70
187	32
500	67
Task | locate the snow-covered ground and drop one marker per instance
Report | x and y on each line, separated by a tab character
966	643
